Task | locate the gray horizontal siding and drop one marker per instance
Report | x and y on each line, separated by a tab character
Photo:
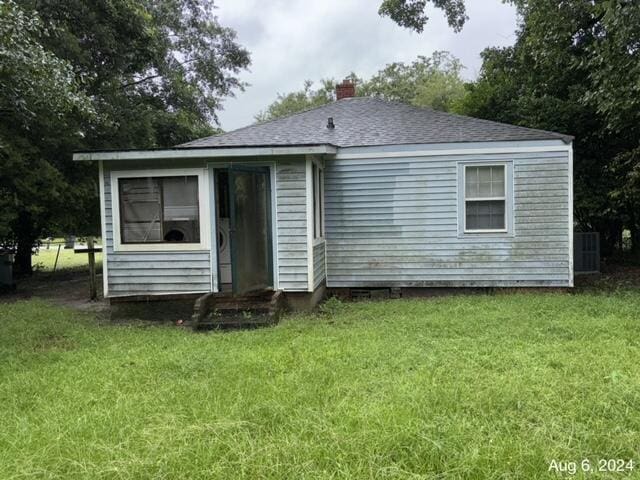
291	206
138	273
318	264
394	222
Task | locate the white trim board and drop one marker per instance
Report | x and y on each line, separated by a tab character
191	153
157	294
571	270
103	228
213	227
273	167
204	210
310	220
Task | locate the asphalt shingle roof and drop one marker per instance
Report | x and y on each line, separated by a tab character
364	121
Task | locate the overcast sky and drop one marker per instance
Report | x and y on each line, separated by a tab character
294	40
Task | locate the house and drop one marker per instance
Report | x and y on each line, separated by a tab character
360	193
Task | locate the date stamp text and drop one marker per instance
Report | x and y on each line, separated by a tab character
601	465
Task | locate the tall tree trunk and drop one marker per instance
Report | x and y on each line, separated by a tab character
23	258
635	239
26	237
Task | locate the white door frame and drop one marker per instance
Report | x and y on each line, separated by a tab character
215	267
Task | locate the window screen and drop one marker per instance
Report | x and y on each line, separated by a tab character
485	198
159	209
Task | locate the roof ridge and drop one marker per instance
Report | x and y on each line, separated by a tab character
374	120
273	120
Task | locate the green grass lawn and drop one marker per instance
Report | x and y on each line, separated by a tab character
461	387
44	259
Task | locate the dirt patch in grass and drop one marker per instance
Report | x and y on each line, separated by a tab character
51	342
69	288
614	276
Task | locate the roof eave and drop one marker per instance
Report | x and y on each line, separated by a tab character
205	152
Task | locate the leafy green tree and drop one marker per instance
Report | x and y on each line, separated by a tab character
294	102
154	72
38	95
411	13
614	72
427	82
571	70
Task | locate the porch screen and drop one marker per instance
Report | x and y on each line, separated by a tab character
159	209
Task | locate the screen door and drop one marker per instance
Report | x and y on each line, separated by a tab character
250	212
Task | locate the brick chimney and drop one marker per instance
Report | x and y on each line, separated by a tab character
346	89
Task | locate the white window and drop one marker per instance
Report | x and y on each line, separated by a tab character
485	198
318	201
158	210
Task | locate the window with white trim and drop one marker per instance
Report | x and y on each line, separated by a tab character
485	198
318	201
159	209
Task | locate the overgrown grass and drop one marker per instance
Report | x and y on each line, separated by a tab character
461	387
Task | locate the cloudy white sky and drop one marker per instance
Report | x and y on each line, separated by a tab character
294	40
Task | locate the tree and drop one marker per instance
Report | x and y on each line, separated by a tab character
294	102
38	93
427	82
614	74
154	72
411	13
149	62
571	70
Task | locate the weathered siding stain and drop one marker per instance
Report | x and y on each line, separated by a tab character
137	273
318	264
388	222
292	224
394	222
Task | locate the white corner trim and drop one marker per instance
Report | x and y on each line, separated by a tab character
310	220
571	269
103	231
213	208
204	211
460	151
186	153
274	224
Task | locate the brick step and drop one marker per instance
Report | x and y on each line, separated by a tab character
224	311
239	305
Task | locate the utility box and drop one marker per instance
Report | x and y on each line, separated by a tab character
6	271
586	252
